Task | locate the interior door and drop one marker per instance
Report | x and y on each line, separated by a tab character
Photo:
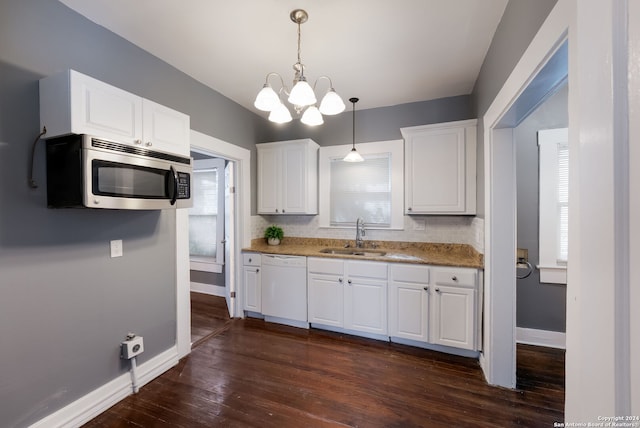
229	238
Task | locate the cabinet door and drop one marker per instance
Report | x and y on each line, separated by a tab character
440	168
409	310
453	315
326	301
104	110
294	179
252	289
268	179
165	129
437	171
366	305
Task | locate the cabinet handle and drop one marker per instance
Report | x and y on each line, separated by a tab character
340	280
409	209
250	260
257	270
137	142
148	144
277	210
349	281
283	211
437	290
454	278
426	288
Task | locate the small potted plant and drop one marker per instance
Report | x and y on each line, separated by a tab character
273	234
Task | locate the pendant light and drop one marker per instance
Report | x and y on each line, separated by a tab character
302	96
353	155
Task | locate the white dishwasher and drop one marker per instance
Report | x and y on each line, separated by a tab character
284	288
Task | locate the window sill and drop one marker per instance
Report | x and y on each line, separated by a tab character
553	274
204	264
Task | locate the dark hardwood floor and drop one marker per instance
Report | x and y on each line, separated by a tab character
254	374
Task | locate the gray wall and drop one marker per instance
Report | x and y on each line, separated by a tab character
66	305
539	306
378	124
519	24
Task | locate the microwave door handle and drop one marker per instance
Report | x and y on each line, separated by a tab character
174	194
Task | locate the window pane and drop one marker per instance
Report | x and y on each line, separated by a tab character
203	214
361	189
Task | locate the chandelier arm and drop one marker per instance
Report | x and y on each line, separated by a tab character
325	77
283	87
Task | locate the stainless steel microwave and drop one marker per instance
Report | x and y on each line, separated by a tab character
87	171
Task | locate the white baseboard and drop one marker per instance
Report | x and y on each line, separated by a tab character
97	401
214	290
550	339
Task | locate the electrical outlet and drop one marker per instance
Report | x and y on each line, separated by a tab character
116	248
132	347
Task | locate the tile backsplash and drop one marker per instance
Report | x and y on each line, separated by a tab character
435	229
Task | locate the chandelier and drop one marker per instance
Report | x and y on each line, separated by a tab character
302	95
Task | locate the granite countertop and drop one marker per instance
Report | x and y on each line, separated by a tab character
461	255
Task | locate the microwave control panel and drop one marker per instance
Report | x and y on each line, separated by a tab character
184	185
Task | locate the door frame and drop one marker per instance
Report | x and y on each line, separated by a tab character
498	359
242	159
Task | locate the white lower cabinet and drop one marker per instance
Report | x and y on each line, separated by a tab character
251	282
435	305
454	308
409	302
348	294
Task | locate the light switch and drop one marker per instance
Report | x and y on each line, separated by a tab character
116	248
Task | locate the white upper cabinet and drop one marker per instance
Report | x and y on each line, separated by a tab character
288	177
440	168
73	103
164	129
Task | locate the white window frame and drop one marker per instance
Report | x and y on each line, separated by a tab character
552	269
395	148
210	264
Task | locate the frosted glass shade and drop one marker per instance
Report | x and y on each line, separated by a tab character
280	114
331	103
353	156
267	99
312	116
302	94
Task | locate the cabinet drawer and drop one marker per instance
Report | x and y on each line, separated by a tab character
251	259
367	269
455	277
325	266
409	273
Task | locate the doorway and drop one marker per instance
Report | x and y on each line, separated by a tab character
240	220
211	231
534	78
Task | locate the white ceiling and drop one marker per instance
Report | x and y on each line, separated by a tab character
384	52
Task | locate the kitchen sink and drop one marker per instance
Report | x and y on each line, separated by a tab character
354	252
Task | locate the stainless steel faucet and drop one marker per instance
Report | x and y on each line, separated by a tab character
360	232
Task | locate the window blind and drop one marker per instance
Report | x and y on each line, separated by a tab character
361	189
563	202
204	213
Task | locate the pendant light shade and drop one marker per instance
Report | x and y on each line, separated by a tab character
312	117
302	95
331	103
353	155
280	114
267	99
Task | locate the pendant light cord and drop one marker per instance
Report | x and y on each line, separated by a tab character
354	101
